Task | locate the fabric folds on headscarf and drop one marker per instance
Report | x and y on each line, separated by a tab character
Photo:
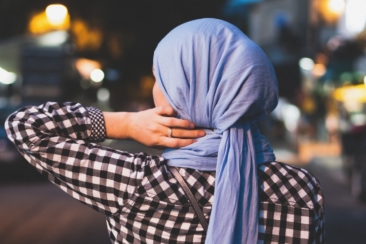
216	77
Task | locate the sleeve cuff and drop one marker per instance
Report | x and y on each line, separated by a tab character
98	132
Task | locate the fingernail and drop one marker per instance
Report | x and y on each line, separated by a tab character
201	133
191	125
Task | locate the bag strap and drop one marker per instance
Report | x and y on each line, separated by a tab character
190	196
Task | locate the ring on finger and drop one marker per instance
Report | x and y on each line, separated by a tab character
170	132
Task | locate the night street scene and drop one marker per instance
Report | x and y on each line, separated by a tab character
100	54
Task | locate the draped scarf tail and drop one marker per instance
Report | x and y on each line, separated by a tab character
233	216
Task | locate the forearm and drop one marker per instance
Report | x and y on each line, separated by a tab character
117	125
28	126
56	139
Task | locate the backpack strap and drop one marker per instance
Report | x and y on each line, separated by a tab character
190	196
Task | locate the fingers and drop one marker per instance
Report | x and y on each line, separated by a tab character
170	121
170	132
167	111
176	143
174	122
180	133
166	118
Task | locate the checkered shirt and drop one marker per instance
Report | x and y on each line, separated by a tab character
142	201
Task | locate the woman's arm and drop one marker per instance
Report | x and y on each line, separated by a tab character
57	139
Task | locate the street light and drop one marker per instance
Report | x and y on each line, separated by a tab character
55	17
56	14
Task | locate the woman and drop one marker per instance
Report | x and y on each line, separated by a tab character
210	73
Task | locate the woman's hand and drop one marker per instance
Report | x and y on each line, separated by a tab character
151	128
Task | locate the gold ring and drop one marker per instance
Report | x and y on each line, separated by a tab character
170	132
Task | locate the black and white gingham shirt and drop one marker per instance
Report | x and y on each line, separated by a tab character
142	201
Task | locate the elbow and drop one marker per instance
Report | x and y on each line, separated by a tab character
17	132
9	126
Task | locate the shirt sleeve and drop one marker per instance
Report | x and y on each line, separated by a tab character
98	132
57	139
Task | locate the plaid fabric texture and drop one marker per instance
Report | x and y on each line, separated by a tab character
291	208
97	124
142	201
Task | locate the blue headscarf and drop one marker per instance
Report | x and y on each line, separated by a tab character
216	77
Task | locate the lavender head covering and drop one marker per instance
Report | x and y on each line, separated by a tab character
216	77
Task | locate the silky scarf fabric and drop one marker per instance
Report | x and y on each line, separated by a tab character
215	76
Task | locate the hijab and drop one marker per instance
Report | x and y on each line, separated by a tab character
212	74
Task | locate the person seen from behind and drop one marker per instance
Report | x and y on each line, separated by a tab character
211	76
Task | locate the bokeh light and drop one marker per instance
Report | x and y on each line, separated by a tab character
55	17
103	94
97	75
306	64
336	6
86	66
351	94
319	70
56	14
6	77
355	16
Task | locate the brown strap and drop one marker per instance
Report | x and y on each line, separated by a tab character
190	196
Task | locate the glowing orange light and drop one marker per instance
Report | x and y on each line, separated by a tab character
331	9
85	37
86	66
319	70
55	17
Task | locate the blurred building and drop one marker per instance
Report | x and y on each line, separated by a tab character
36	66
289	30
281	28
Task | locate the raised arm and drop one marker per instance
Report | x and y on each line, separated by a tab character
57	138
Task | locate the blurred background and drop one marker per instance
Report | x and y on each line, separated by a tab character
99	53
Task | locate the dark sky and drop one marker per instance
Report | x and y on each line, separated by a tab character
126	14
